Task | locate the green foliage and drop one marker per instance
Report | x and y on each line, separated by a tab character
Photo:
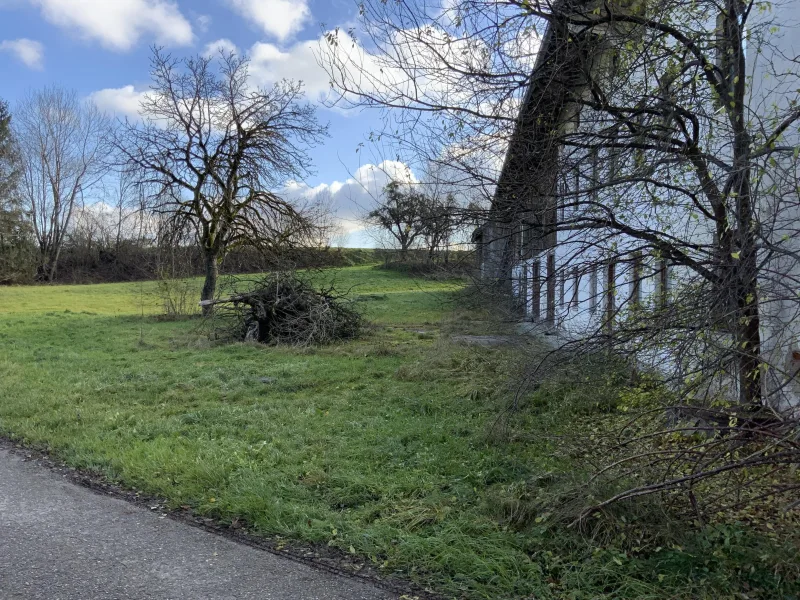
390	444
178	297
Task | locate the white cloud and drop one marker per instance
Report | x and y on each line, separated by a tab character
301	62
118	24
270	64
203	22
352	198
426	67
124	101
29	52
278	18
222	45
412	72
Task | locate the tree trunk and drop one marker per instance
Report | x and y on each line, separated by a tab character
46	271
747	299
747	308
750	347
210	284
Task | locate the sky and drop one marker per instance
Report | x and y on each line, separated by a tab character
101	48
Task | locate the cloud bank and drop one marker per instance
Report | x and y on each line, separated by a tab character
351	199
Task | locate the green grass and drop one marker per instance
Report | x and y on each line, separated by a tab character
389	296
384	446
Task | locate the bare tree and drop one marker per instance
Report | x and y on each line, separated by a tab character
401	215
638	131
125	196
640	163
216	148
63	146
441	219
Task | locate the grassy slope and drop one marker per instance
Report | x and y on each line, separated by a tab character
377	446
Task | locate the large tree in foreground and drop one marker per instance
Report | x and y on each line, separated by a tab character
652	173
666	130
214	147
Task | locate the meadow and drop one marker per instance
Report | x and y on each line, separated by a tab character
384	447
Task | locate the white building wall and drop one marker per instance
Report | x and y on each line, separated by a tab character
775	68
779	308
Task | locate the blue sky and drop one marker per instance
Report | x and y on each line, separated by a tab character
100	48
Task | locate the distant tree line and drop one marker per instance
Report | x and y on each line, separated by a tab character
193	182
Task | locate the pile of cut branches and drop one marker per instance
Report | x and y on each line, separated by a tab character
282	308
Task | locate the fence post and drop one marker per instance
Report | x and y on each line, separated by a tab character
610	290
636	281
663	284
551	288
576	284
536	290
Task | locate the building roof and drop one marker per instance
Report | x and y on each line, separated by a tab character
530	165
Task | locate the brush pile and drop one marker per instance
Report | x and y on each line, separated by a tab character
284	309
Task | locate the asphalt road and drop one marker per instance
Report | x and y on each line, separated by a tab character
60	541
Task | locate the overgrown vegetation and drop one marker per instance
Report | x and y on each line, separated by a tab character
398	447
639	165
178	297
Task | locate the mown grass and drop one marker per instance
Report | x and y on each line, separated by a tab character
386	447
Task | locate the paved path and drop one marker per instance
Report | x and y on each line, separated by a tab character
59	541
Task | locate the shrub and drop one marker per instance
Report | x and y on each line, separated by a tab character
177	297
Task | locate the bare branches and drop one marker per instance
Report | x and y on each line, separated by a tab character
401	215
641	163
284	309
64	149
215	149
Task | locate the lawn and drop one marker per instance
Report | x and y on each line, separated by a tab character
384	447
